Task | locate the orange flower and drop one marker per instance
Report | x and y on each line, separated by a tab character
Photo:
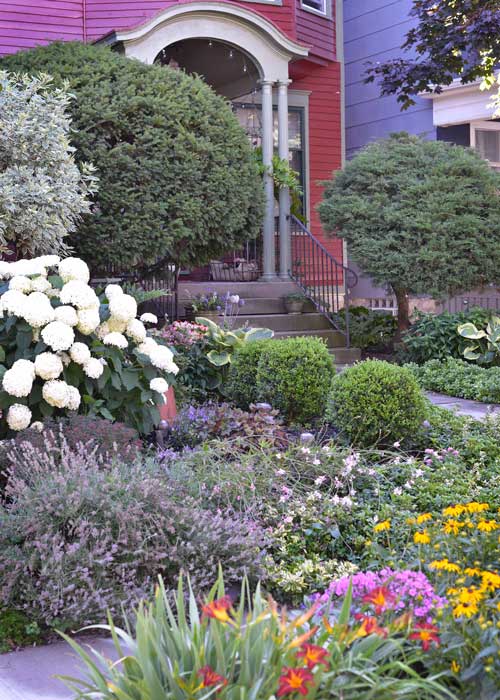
209	677
426	634
294	680
313	655
218	609
380	598
369	625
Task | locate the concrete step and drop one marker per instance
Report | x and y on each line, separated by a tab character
286	322
246	290
334	339
270	306
344	357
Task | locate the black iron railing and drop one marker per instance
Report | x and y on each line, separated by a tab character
324	280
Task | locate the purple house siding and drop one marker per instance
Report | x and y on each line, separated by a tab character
374	31
24	24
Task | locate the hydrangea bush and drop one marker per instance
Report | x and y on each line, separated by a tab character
65	348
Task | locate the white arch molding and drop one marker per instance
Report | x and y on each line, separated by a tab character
262	41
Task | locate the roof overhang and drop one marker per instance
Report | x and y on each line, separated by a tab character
458	103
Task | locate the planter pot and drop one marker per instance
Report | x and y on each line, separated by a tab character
169	409
192	315
294	307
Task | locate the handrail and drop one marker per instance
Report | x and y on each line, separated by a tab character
321	277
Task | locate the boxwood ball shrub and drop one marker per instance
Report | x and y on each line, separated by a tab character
375	402
63	348
176	171
241	384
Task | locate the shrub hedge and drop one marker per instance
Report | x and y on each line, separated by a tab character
375	402
459	378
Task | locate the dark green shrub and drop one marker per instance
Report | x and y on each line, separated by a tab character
16	630
435	336
292	375
241	384
368	328
375	402
459	378
176	171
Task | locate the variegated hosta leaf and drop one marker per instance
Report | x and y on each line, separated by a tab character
469	330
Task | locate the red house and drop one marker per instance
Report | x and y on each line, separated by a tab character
271	58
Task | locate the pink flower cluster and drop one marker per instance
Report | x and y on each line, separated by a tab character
410	590
438	455
183	333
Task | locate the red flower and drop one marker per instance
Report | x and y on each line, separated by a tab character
218	609
369	625
425	634
294	680
380	598
210	677
313	655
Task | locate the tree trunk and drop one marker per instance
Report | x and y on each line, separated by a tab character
402	299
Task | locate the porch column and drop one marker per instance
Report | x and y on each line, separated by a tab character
284	193
269	254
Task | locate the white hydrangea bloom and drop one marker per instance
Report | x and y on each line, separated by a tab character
135	330
53	293
48	365
162	358
79	353
123	307
49	260
5	272
93	368
55	392
147	346
102	330
18	380
74	269
38	310
18	417
14	302
37	425
117	340
74	399
149	318
34	266
58	336
116	325
88	320
40	284
21	283
66	314
159	385
113	290
79	294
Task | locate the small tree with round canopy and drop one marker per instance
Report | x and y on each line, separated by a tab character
176	171
420	216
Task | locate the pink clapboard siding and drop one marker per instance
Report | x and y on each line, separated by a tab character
28	23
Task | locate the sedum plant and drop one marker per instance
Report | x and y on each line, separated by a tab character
64	348
486	346
253	651
43	193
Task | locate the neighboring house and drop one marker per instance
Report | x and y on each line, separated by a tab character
278	61
374	31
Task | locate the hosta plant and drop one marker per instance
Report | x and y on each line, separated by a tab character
252	650
485	348
64	348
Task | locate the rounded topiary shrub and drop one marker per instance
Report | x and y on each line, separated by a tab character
292	375
241	385
375	402
176	171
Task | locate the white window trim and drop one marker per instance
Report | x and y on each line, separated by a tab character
484	125
326	12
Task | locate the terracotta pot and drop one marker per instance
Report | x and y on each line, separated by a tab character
169	410
294	307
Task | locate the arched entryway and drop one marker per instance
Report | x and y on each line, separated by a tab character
236	50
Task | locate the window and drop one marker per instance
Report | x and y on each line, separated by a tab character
485	138
319	6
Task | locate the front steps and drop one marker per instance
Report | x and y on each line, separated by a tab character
264	308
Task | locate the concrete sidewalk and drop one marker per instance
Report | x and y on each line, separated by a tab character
464	407
29	674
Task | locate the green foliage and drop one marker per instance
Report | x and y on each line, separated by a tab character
485	350
16	630
459	378
435	336
248	652
292	375
375	402
422	216
368	328
177	174
241	385
43	194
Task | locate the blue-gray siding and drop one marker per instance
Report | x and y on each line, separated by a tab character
374	31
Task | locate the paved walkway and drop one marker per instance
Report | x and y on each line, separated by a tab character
29	674
464	407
